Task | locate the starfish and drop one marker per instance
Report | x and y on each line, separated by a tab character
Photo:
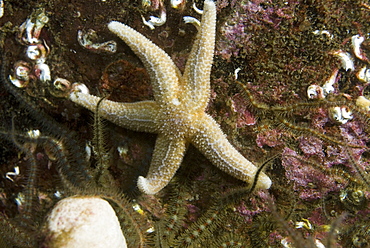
177	114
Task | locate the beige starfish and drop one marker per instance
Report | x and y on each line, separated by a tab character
177	114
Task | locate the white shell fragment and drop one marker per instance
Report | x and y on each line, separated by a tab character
363	103
42	71
11	174
146	3
340	115
345	59
34	133
199	11
83	222
328	86
356	45
305	223
21	75
192	20
61	84
315	91
89	40
33	52
20	200
323	32
177	4
1	8
236	72
16	82
319	244
156	21
22	70
364	74
30	30
36	50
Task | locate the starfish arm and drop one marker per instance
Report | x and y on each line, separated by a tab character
163	72
167	157
199	64
138	116
211	141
